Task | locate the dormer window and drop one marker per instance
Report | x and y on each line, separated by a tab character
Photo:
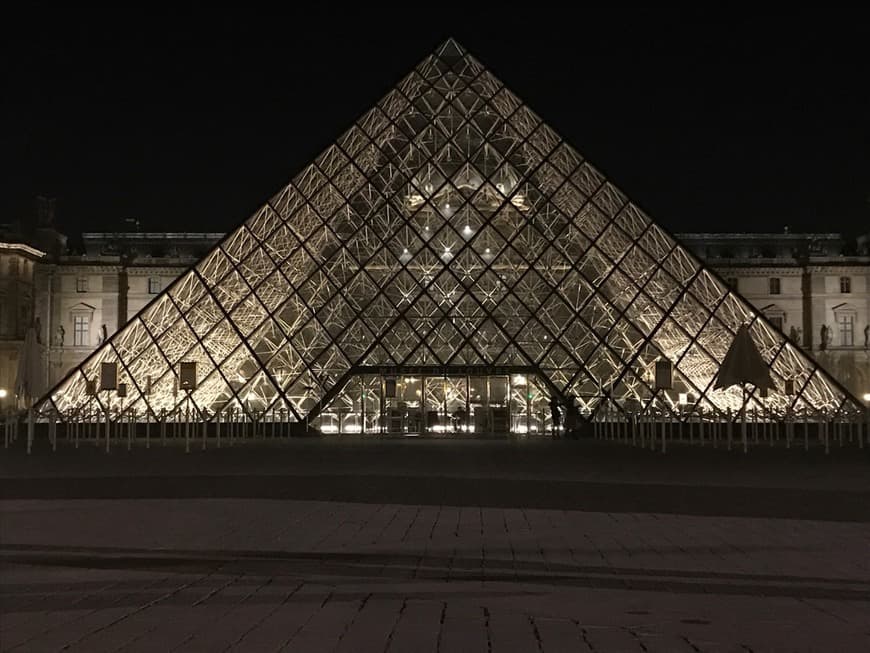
774	285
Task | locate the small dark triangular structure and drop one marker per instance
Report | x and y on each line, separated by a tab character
743	364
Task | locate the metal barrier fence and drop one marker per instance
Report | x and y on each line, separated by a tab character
652	430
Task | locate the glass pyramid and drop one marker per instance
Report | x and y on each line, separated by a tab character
448	234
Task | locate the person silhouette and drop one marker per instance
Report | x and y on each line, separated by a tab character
556	415
572	418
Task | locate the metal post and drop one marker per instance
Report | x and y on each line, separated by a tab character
806	430
664	435
824	423
860	433
30	429
108	434
714	427
730	429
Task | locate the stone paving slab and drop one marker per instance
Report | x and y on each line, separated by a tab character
435	546
270	575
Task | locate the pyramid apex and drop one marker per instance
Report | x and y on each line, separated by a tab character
450	49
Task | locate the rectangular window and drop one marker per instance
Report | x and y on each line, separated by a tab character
153	285
845	284
774	285
82	284
776	320
847	329
81	330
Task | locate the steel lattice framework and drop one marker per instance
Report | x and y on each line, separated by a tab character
448	226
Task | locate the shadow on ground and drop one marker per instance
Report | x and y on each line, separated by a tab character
386	569
793	503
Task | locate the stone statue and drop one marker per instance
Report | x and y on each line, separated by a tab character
61	332
104	335
795	334
867	336
823	337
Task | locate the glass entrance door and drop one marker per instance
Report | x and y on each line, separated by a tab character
438	405
446	404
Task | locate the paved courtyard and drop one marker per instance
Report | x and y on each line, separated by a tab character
434	546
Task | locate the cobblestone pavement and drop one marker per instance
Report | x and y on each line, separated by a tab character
268	574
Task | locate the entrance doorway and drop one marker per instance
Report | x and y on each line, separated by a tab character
438	402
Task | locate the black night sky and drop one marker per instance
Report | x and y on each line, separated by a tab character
189	121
